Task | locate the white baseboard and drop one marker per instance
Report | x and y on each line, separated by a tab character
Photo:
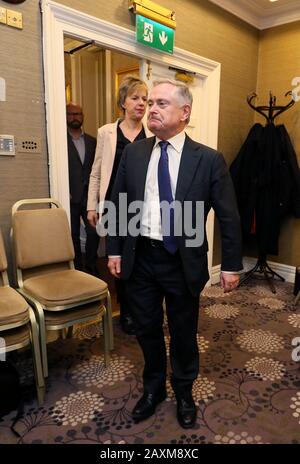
285	270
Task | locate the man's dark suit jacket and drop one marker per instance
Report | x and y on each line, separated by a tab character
203	176
79	174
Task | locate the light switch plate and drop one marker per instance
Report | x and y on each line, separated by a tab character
2	15
14	19
7	145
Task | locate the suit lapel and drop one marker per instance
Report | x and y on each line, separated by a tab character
113	140
86	149
142	167
191	156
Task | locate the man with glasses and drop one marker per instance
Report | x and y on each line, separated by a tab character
81	153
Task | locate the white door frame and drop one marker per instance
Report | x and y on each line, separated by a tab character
59	20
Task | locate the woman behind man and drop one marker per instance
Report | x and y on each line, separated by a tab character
111	141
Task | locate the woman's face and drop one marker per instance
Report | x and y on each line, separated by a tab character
135	104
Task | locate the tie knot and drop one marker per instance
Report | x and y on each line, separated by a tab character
163	145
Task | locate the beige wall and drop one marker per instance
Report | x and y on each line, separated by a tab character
279	63
22	114
202	28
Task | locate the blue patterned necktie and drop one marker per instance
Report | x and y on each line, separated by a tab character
165	194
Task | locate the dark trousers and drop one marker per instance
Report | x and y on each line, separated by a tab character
122	298
78	210
157	275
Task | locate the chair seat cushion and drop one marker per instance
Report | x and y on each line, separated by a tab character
13	307
64	287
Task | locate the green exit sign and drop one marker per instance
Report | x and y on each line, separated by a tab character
154	34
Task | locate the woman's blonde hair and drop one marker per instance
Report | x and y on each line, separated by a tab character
128	85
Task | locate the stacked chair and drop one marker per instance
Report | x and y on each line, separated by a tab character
18	326
60	295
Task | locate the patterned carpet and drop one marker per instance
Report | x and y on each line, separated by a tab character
248	390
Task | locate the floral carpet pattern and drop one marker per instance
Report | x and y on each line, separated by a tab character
248	390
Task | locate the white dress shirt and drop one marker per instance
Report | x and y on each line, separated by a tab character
151	217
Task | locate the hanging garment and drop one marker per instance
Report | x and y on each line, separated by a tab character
266	178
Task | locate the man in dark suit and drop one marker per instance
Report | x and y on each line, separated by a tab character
160	264
81	153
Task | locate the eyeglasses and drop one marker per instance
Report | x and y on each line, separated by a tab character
74	114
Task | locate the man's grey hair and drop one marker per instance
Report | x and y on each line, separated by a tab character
183	92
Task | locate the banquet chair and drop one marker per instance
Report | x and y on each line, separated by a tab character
60	295
18	326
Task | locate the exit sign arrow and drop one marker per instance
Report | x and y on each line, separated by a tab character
163	37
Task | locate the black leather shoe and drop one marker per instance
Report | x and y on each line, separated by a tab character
146	406
186	411
127	325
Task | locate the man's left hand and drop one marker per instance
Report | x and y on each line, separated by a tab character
229	281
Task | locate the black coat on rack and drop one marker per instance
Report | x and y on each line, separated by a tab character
266	177
267	183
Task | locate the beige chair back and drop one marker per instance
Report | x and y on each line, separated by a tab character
41	237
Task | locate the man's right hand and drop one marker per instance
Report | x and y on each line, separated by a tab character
92	217
114	266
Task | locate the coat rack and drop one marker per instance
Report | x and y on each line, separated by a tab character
269	113
273	110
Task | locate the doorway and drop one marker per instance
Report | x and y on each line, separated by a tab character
92	77
60	21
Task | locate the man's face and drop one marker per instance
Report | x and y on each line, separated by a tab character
74	116
166	116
